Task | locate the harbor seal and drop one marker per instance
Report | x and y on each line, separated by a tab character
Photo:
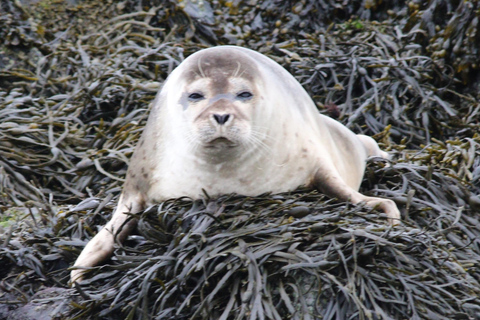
231	120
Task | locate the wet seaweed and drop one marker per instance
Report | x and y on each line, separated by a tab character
75	85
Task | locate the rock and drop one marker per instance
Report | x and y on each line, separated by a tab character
47	304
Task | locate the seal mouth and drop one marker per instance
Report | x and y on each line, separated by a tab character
220	142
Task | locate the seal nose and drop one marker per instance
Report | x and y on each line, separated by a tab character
221	118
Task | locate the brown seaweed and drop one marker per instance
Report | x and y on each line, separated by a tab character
76	81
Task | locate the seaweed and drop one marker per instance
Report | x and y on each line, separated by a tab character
76	80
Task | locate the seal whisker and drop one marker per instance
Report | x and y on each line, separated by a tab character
256	139
261	134
241	74
192	142
200	68
190	138
239	66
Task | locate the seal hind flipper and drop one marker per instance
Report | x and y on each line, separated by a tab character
329	182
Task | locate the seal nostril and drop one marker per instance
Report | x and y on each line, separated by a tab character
221	118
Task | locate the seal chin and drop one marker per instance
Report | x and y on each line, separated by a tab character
220	143
220	150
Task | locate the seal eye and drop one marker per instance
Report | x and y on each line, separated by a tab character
196	97
245	95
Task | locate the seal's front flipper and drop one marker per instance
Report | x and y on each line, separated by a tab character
97	250
101	247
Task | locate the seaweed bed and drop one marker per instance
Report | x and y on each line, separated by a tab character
76	80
